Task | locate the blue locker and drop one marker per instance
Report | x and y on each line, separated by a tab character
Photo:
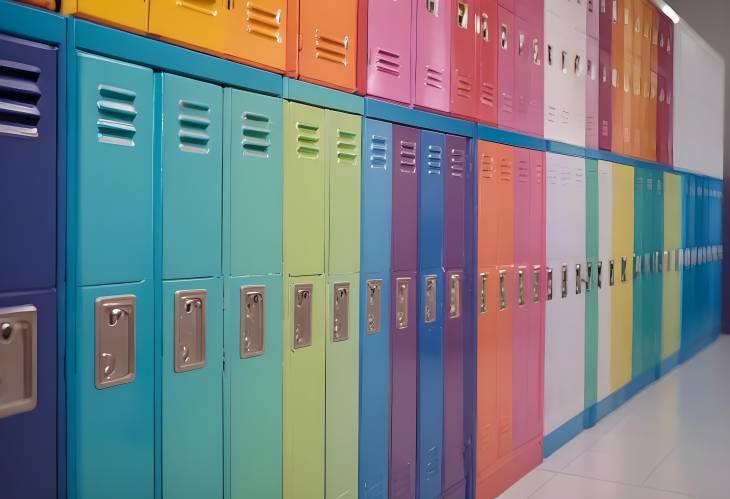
430	315
375	237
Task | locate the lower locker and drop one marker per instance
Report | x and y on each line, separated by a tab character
603	286
592	323
253	387
304	387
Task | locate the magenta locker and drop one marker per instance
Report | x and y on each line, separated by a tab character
592	92
433	54
487	55
593	18
536	20
463	59
508	41
522	73
604	99
403	339
389	71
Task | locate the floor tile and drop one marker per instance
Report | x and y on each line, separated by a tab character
528	485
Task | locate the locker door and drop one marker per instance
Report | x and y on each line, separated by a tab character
431	391
328	42
457	150
662	124
636	105
28	423
463	61
688	291
115	169
46	4
390	75
617	77
646	80
257	32
577	74
535	56
117	13
555	80
592	78
575	399
605	126
28	175
592	228
638	270
628	103
523	54
433	54
509	42
375	308
172	19
304	189
487	53
304	387
658	274
593	18
405	199
603	285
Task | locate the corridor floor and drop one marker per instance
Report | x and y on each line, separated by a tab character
671	441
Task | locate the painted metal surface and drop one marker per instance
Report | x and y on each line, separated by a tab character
617	77
433	54
487	48
672	282
404	235
509	46
605	97
389	59
592	79
590	282
536	58
173	20
604	289
134	17
463	60
257	32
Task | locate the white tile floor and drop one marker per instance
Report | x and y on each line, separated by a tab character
671	441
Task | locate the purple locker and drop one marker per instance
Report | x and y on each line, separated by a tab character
605	23
592	93
433	55
604	99
28	171
405	199
389	50
506	68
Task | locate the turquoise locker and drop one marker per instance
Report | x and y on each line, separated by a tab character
114	172
638	271
253	184
591	284
192	171
192	398
654	325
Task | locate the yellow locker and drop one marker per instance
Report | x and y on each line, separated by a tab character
128	14
192	23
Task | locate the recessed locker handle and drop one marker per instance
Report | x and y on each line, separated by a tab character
302	327
18	360
373	308
535	283
340	312
483	282
115	352
657	262
666	262
189	330
637	265
599	274
429	311
564	281
253	328
549	284
502	289
578	279
454	296
611	272
589	276
520	287
402	285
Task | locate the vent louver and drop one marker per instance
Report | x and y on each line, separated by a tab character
19	96
116	116
256	135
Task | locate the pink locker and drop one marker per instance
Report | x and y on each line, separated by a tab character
506	70
536	18
463	59
593	18
433	54
592	77
487	55
509	5
389	71
604	99
522	73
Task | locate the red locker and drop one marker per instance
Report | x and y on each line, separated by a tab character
487	54
508	42
463	59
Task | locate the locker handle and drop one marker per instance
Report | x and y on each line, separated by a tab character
115	336
549	284
520	287
190	330
536	284
502	290
624	262
374	290
302	327
536	52
454	296
252	326
430	312
340	312
402	286
462	15
589	276
599	274
503	37
578	279
611	273
564	281
18	359
483	278
431	6
484	27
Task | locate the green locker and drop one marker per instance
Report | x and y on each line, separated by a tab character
304	387
591	289
671	281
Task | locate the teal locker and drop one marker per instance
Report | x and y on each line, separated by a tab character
192	171
591	283
654	324
192	399
114	172
638	270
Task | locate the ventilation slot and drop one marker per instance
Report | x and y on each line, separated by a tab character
194	123
523	172
507	103
487	166
538	172
307	141
256	135
346	147
331	49
19	96
552	176
564	117
552	114
263	22
434	78
505	171
458	159
463	86
487	94
116	116
388	62
435	154
378	152
408	156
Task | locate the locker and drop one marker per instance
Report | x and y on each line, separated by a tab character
28	422
592	229
341	397
404	235
603	285
593	18
509	46
688	315
192	171
654	342
555	80
647	151
487	54
577	77
389	71
640	303
463	60
28	141
605	91
253	176
435	160
457	155
605	22
593	124
254	458
523	54
257	32
192	369
115	130
112	407
637	107
172	20
122	14
342	234
328	43
375	308
617	78
628	100
650	123
304	387
535	17
622	291
304	189
433	54
663	120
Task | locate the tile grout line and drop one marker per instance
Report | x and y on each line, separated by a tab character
542	485
623	483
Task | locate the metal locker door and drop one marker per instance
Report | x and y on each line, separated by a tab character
463	60
257	32
192	174
592	78
605	91
405	199
115	13
28	411
304	189
46	4
646	81
173	19
590	283
662	124
637	109
192	370
433	54
659	271
536	61
328	43
688	290
375	308
577	75
507	52
617	77
115	170
602	271
628	102
304	387
434	155
523	60
554	77
576	209
638	270
389	71
487	54
593	13
28	176
253	175
454	186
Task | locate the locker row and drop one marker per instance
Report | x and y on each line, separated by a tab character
596	74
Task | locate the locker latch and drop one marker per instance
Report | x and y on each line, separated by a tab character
483	277
589	276
430	312
374	291
402	285
189	330
549	284
624	263
666	263
637	265
564	281
657	262
502	289
578	279
520	287
611	272
302	327
503	37
521	44
535	283
115	340
454	296
599	274
252	327
340	312
18	360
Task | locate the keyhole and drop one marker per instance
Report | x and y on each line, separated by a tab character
6	330
115	316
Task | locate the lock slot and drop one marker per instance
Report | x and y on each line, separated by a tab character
549	284
599	274
564	281
18	360
589	276
402	285
624	263
578	279
502	290
611	272
302	324
536	284
429	311
253	324
483	280
189	330
454	296
115	357
341	312
520	287
373	308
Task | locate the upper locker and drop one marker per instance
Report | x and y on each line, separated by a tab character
463	60
124	14
433	54
256	32
487	54
193	23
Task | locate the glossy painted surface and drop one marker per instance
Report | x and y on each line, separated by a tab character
592	79
433	55
117	13
389	59
487	47
605	95
197	23
257	32
617	79
509	41
463	61
404	229
605	255
672	282
592	229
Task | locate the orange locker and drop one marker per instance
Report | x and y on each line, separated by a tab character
256	32
328	43
617	77
637	105
46	4
129	15
200	24
654	85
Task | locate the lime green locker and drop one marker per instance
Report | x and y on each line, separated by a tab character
620	276
672	284
304	190
591	288
304	387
